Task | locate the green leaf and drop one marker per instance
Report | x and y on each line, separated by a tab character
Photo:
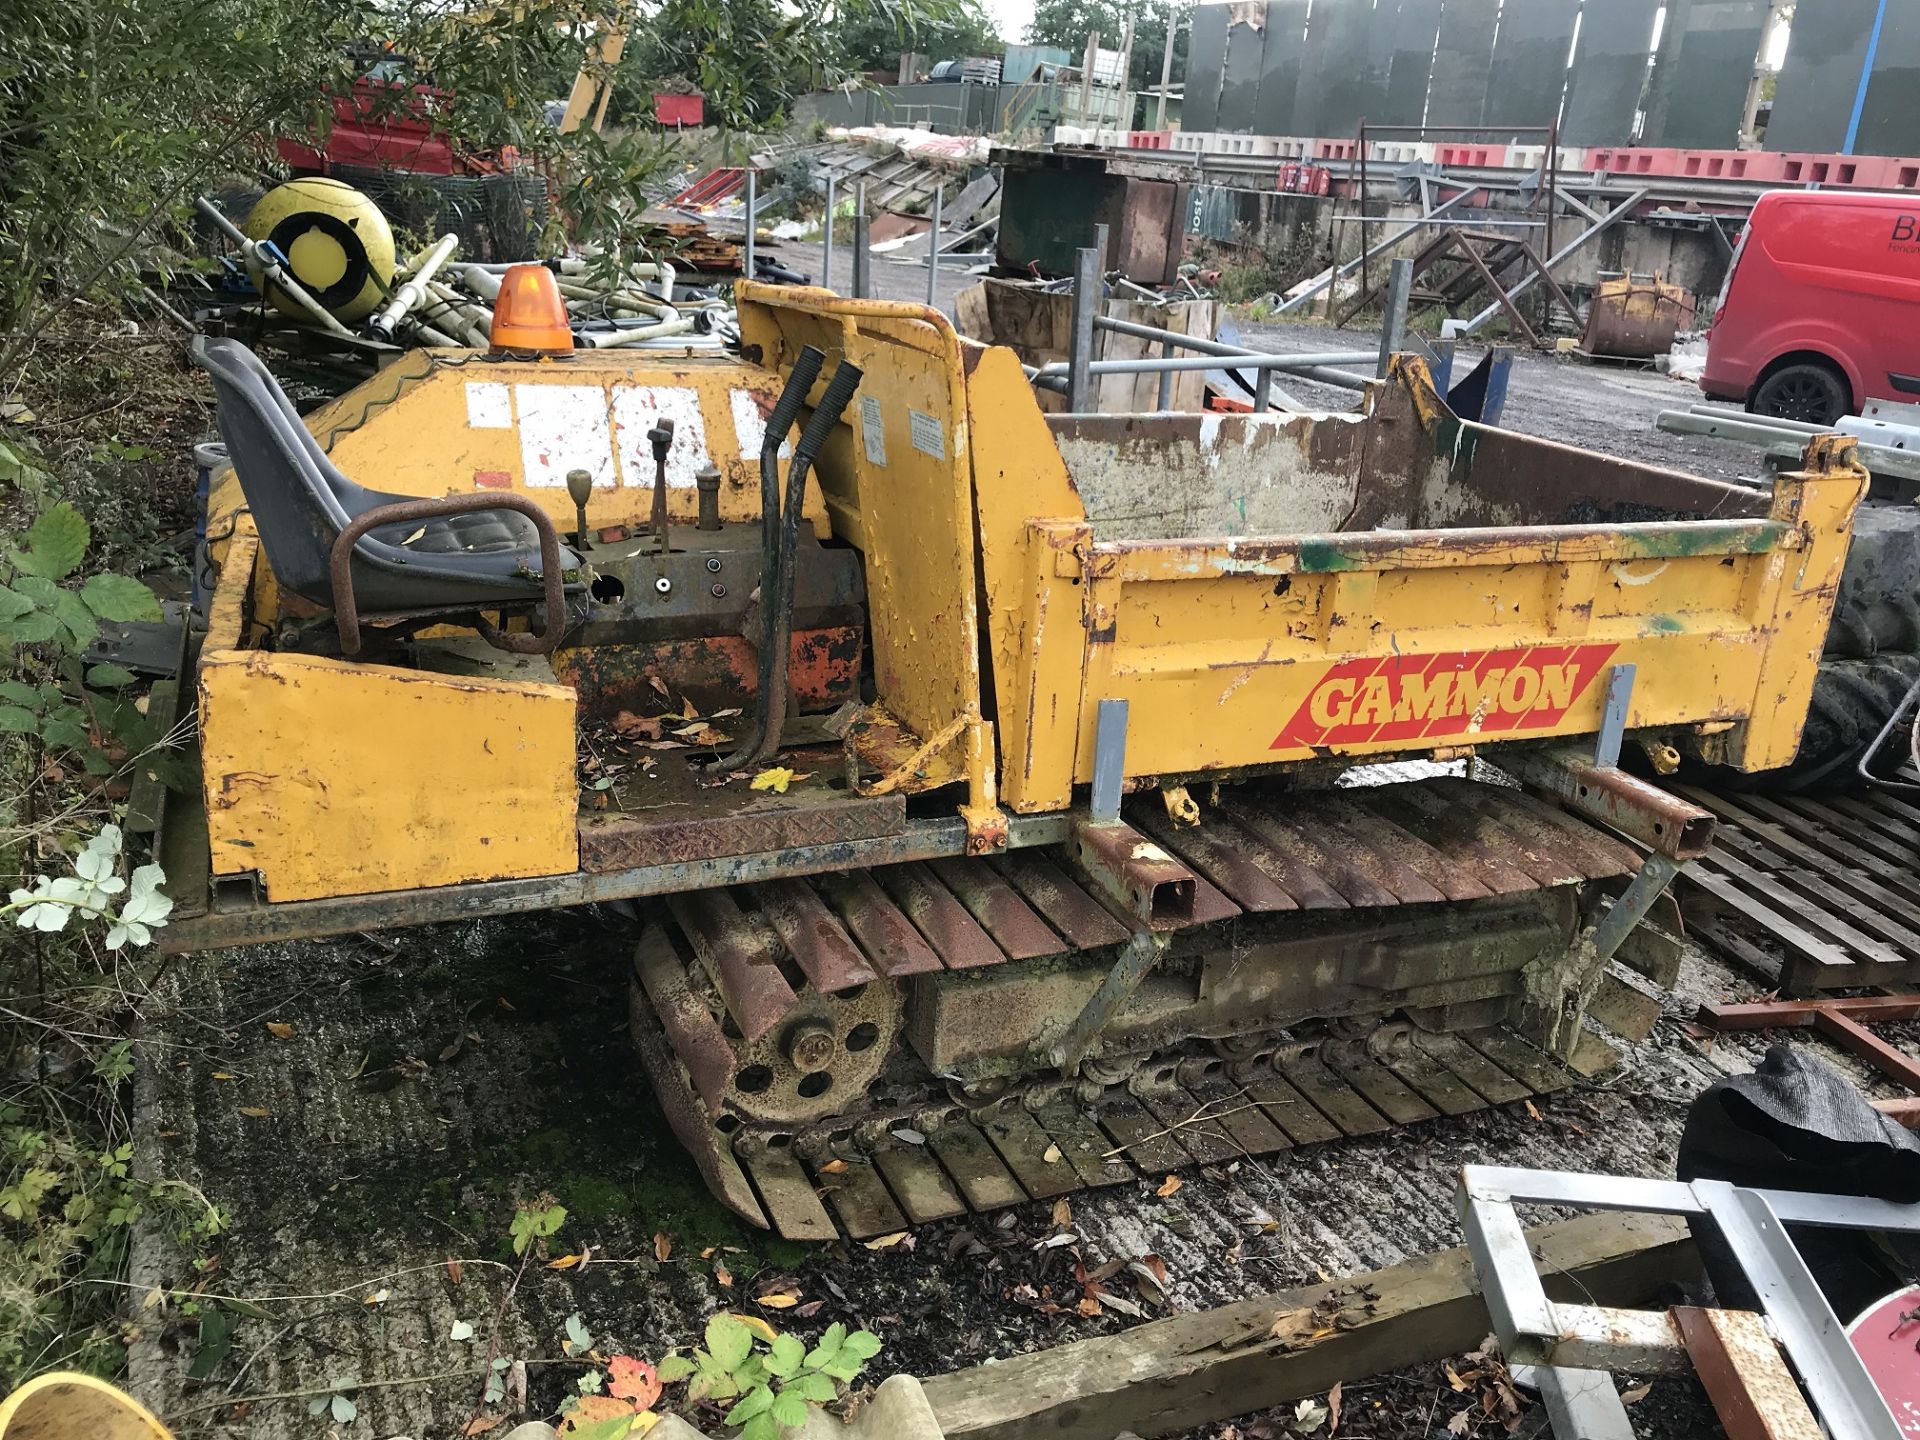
728	1341
842	1367
756	1401
13	604
674	1367
76	619
815	1387
862	1345
761	1427
54	544
614	1427
118	597
828	1349
15	720
790	1411
344	1410
15	693
109	677
32	629
787	1354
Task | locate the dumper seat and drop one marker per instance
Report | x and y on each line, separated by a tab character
367	552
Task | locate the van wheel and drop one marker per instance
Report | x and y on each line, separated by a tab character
1808	392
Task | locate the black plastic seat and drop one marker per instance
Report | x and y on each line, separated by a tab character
409	554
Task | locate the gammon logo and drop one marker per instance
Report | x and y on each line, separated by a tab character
1433	697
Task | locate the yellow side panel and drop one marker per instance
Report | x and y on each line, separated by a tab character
910	461
331	778
1036	638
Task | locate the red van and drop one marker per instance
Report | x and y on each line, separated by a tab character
1821	309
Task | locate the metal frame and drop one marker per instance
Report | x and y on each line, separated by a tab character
1534	1330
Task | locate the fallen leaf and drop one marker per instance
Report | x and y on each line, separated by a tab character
461	1330
723	1277
480	1424
779	1300
1458	1424
414	536
565	1262
379	1297
1460	1386
1532	1111
887	1242
703	735
280	1029
456	1272
1051	1155
223	1075
1122	1304
662	1246
687	712
1157	1266
1636	1394
259	1112
1333	1409
155	1296
634	1380
1089	1306
644	726
1062	1212
776	778
759	1327
1168	1186
833	1167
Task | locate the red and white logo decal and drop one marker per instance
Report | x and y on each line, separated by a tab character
1435	697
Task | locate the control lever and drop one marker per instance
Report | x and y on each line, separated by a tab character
806	370
776	598
661	437
580	488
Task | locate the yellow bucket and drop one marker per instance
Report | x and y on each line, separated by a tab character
64	1405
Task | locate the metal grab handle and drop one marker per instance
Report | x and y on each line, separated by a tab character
340	566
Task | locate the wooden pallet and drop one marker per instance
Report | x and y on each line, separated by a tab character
1816	893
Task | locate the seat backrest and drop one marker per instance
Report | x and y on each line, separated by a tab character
299	501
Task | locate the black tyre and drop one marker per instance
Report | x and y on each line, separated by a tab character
1872	653
1810	392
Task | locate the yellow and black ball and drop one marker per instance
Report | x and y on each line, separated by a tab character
337	243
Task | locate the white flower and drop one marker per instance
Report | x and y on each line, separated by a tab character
146	909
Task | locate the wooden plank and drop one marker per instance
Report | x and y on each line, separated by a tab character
859	1197
1771	889
954	934
1301	854
975	1168
1779	927
883	932
917	1181
1333	1097
1241	1116
1190	1371
817	941
1290	1110
1487	1078
787	1194
1025	1147
999	909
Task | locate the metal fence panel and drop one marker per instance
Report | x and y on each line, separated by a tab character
1826	51
1206	63
1890	121
1329	101
1460	64
1280	67
1609	72
1413	36
1240	83
1708	51
1529	69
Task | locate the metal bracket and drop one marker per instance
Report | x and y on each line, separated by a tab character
1663	823
1613	718
1109	760
1139	956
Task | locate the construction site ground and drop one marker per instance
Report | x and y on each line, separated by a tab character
369	1112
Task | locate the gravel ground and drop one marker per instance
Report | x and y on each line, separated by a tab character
369	1112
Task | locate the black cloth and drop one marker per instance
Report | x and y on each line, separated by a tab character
1795	1123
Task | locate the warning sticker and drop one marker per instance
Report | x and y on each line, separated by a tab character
872	432
929	435
488	407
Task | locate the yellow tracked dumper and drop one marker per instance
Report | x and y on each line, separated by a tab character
1002	795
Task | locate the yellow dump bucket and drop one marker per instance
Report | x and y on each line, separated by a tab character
64	1405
